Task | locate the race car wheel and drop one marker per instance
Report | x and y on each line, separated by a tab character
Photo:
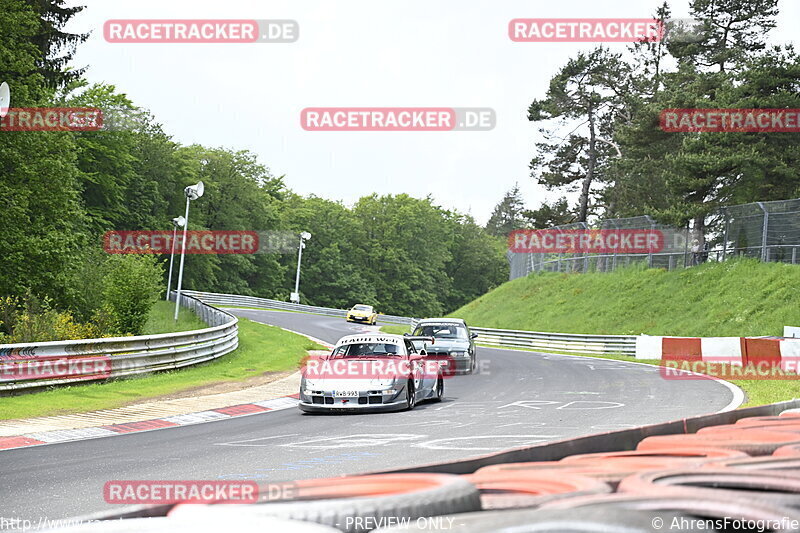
474	363
439	389
411	395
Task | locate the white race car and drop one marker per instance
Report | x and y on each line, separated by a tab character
371	372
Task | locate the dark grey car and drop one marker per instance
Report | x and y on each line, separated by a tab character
452	338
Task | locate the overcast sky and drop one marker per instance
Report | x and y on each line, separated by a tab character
359	53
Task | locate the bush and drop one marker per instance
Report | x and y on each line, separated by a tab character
131	285
33	320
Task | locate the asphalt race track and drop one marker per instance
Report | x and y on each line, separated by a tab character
517	399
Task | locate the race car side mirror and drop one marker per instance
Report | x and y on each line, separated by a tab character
473	336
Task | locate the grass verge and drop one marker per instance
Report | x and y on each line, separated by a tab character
261	349
735	298
161	320
395	329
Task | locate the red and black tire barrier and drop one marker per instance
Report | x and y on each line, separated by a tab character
530	488
167	525
759	486
792	427
751	441
646	459
789	464
709	507
791	450
581	520
338	502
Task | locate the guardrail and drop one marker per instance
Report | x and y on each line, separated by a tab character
24	366
558	342
534	340
236	300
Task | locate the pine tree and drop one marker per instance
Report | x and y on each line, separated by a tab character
56	46
587	95
507	214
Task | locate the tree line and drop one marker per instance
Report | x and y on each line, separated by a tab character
62	190
601	145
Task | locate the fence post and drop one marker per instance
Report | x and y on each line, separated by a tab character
725	234
686	246
614	257
764	254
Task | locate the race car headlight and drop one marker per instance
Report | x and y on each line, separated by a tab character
459	354
390	391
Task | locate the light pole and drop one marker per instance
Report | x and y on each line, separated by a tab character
295	297
192	192
177	222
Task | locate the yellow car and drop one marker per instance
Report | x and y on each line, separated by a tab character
362	313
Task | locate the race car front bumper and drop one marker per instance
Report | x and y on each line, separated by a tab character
326	402
454	364
329	408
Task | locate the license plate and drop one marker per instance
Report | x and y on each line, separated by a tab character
345	393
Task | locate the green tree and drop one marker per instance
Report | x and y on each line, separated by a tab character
477	262
507	214
131	285
42	219
548	215
586	95
56	46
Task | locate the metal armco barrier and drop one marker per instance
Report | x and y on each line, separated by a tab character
235	300
558	342
552	342
24	366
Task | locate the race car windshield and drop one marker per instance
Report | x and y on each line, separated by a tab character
362	308
367	349
442	331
